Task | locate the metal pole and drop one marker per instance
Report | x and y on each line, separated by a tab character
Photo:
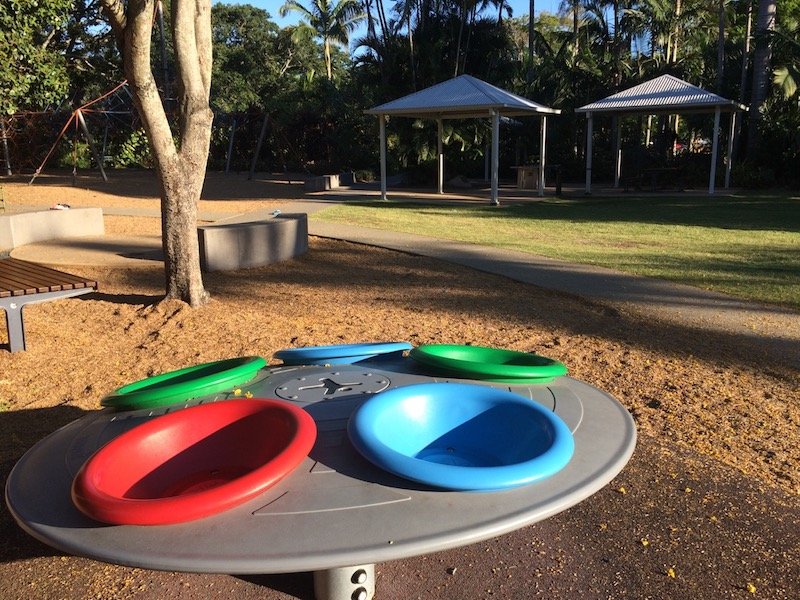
714	151
230	146
729	157
439	157
495	154
542	142
382	122
6	154
98	159
261	137
589	124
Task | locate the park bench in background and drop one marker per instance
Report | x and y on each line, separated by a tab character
23	283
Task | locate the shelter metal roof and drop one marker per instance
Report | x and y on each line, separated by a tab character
662	94
461	97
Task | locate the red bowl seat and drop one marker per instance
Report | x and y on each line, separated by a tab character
194	463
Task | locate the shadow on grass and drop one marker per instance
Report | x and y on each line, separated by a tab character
750	212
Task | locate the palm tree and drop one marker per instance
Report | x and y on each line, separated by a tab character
572	7
329	20
765	25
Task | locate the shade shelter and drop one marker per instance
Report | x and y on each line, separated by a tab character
463	97
663	95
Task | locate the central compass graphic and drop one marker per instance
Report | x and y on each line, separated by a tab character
332	386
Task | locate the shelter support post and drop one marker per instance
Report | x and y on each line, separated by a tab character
439	157
542	146
729	155
714	152
382	122
98	159
618	152
495	154
589	124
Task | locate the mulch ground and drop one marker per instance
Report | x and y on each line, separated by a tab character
707	507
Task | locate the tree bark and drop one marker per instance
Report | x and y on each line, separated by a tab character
180	168
765	24
720	45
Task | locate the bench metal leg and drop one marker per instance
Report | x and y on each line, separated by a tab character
13	308
16	329
345	583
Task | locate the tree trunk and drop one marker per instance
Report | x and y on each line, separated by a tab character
531	30
460	34
181	184
575	40
180	169
765	23
720	45
617	75
326	45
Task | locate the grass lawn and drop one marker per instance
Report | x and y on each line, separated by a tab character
747	246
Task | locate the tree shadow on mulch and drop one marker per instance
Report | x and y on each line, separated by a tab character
19	431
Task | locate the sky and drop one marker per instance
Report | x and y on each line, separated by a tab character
520	7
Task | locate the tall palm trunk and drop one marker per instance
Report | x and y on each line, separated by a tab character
411	57
326	47
617	49
575	39
531	30
765	24
720	45
460	35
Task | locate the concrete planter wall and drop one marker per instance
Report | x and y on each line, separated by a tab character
27	228
231	246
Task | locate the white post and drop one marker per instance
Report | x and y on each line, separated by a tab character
589	124
382	121
729	157
618	153
495	154
439	157
542	142
714	151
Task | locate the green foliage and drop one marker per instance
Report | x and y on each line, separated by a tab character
331	21
134	151
750	176
74	153
32	74
246	61
314	94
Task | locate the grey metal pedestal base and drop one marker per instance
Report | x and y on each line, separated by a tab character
346	583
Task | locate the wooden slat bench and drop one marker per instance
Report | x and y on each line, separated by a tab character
23	283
